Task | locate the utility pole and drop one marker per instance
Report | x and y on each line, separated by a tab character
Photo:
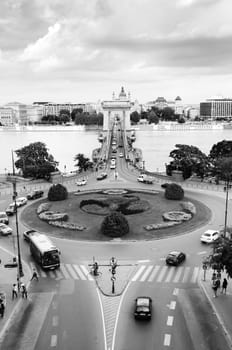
20	268
226	208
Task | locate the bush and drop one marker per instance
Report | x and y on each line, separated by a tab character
174	191
115	225
57	192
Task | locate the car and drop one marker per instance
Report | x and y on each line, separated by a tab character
11	209
21	201
121	155
143	308
175	258
102	176
27	234
113	156
114	150
4	218
112	166
5	230
210	236
35	194
81	182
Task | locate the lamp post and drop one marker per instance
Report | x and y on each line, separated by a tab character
20	268
226	208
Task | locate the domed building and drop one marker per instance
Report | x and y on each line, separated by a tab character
178	105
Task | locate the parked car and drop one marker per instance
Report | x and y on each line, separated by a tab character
5	230
4	218
27	234
11	209
35	194
210	236
21	201
102	176
81	182
143	308
175	258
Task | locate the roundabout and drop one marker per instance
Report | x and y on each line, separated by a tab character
149	214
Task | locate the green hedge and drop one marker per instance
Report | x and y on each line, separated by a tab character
57	192
174	191
115	225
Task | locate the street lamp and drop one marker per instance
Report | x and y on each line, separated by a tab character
20	268
226	188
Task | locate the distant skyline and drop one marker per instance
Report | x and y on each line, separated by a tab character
83	51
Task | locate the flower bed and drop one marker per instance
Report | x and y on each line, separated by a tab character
43	207
161	225
51	216
176	216
67	225
188	207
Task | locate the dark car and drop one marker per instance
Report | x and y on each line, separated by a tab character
175	258
35	194
11	209
27	234
143	308
102	176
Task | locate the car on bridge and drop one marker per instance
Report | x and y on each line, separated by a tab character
143	308
121	155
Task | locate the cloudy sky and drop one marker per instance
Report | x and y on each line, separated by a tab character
83	50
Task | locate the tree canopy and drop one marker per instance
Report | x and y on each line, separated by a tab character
35	161
83	163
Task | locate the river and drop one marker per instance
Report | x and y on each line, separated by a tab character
65	143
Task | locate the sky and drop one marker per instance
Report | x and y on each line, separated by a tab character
84	50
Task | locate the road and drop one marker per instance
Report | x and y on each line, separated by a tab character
71	313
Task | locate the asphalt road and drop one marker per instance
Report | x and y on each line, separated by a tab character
68	309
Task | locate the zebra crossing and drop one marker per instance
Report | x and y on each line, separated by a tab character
66	271
144	273
166	274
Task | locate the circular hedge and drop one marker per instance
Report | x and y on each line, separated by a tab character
174	191
115	225
57	192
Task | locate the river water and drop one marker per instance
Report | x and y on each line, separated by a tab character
64	144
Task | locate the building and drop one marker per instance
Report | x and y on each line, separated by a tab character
20	110
117	109
7	116
162	103
179	108
34	113
217	107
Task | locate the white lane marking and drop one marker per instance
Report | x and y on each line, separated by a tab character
146	273
186	273
53	340
201	253
170	274
162	273
138	273
103	320
142	261
55	321
172	305
72	272
80	273
167	339
64	271
195	275
153	274
178	274
176	291
170	320
87	273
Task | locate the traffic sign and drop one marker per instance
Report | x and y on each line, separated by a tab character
113	278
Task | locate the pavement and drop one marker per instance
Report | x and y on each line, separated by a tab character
8	276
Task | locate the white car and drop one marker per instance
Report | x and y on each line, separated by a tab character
5	230
21	201
4	218
121	155
81	182
210	236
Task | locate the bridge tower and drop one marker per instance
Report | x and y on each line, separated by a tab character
117	109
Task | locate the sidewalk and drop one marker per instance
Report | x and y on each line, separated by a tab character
222	305
8	276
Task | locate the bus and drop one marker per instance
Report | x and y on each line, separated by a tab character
45	253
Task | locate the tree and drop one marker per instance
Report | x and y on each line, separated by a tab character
220	150
168	114
135	117
152	117
115	225
188	159
76	111
57	192
35	161
83	163
64	116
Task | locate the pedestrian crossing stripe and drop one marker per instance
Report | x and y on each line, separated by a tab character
166	274
145	273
